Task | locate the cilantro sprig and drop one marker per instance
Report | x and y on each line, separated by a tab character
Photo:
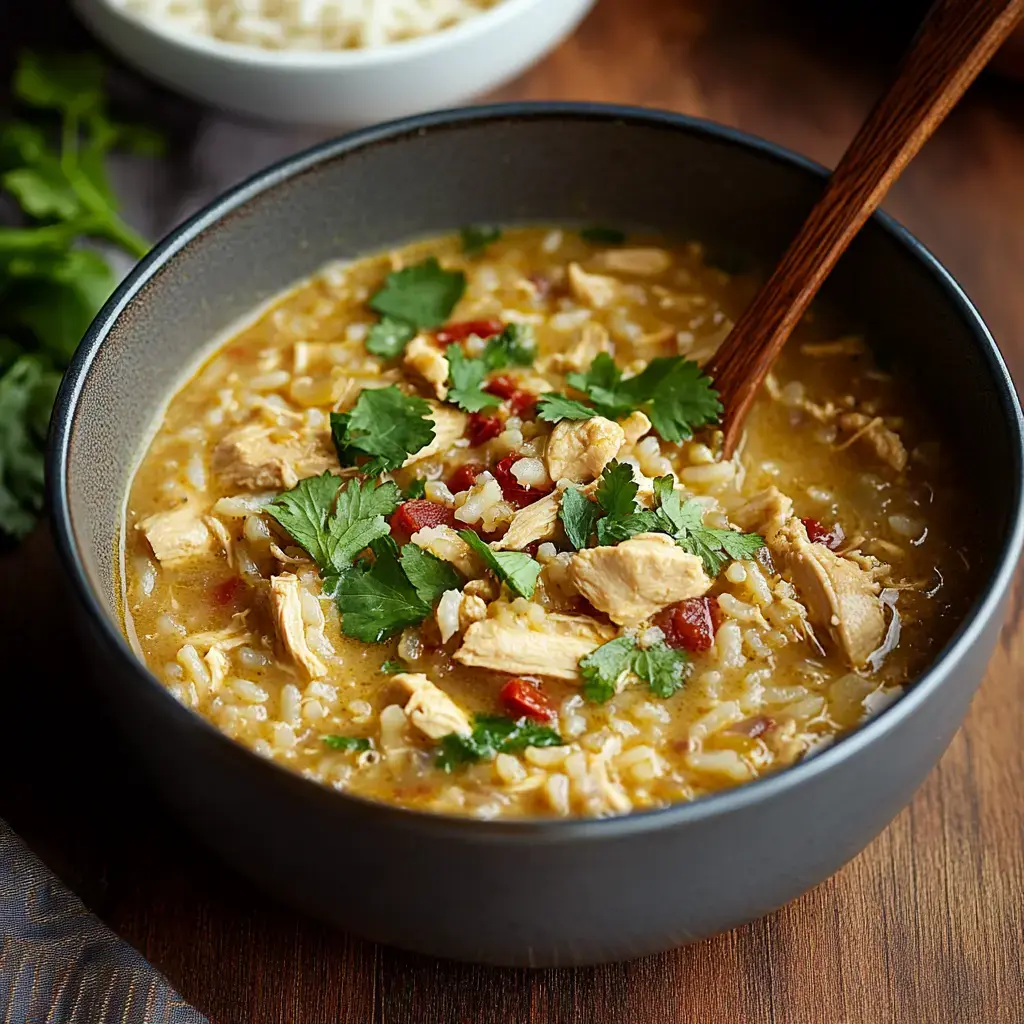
50	289
347	743
493	735
477	237
673	391
514	346
385	424
658	665
516	568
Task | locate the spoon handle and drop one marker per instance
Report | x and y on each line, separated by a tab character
954	43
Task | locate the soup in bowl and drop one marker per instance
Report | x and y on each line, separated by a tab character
414	576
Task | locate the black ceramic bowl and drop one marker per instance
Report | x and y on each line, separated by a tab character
523	892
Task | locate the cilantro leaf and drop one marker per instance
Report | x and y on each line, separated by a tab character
476	238
614	530
423	295
493	735
602	383
516	568
579	515
388	337
347	742
66	82
553	406
658	665
392	667
385	424
515	346
417	489
467	376
430	575
617	489
334	524
602	235
376	601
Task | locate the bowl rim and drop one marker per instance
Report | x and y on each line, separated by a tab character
554	830
389	54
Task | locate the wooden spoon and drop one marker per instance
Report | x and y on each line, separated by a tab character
954	43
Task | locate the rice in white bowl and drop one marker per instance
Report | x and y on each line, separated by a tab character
307	24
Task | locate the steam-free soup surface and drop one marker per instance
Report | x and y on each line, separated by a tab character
449	529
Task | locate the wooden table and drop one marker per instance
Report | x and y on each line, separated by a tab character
925	926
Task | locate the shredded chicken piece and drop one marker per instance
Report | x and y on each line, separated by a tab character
486	588
217	664
449	426
593	290
220	531
443	542
822	413
424	357
286	607
516	650
644	262
593	340
537	521
177	536
430	709
765	513
633	580
841	596
635	426
473	609
578	450
885	443
250	459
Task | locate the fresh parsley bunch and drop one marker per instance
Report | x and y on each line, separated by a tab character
51	285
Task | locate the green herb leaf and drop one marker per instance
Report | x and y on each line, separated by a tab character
553	406
661	667
579	515
388	337
466	377
617	489
385	424
347	742
515	346
423	295
599	235
392	667
476	238
516	568
64	82
431	576
334	524
493	735
417	489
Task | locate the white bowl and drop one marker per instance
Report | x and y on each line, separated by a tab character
344	87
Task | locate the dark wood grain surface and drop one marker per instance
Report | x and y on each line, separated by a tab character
926	926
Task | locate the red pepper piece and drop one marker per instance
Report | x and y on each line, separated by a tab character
417	514
512	490
521	403
522	695
226	591
467	328
464	477
690	625
818	534
482	428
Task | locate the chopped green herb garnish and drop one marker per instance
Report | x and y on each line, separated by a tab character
348	742
658	665
388	337
516	568
515	346
430	575
602	235
579	515
685	522
671	390
392	667
332	523
386	424
476	238
422	295
50	288
493	735
417	489
466	378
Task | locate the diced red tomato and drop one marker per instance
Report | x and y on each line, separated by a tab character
464	477
467	328
522	695
417	514
226	591
520	402
513	491
818	534
690	625
482	428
